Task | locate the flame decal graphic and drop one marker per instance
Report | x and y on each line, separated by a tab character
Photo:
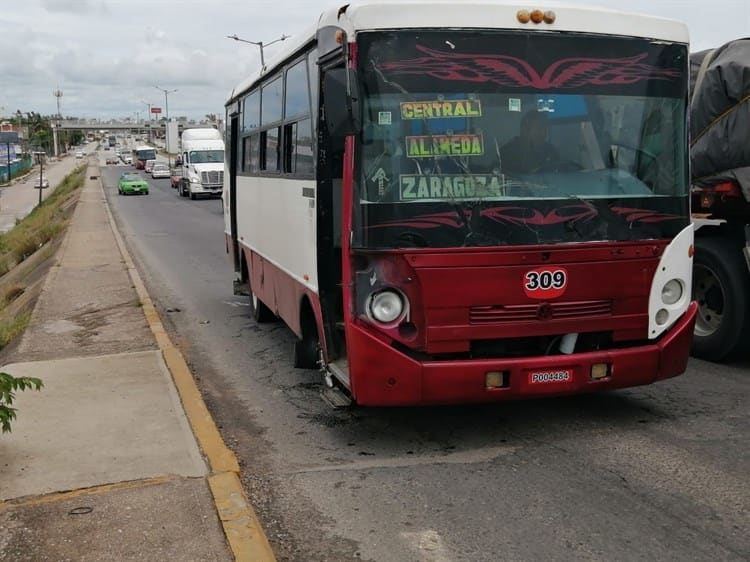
512	71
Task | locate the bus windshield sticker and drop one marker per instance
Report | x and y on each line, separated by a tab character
380	178
384	118
439	109
427	146
451	187
514	104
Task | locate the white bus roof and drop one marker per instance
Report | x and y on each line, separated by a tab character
369	15
144	147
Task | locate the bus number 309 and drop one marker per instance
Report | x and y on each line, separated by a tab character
545	280
545	283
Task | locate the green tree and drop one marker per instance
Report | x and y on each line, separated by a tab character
9	385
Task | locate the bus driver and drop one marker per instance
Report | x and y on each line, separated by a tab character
529	152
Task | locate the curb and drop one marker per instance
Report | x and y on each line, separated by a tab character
241	525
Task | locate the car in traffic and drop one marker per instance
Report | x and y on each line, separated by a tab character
128	159
160	171
79	154
43	182
112	160
132	183
149	164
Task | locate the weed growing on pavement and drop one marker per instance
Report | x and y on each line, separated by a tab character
9	329
9	385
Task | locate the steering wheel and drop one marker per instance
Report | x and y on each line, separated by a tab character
411	239
559	166
639	151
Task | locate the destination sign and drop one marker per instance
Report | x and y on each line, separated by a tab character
425	146
460	186
440	109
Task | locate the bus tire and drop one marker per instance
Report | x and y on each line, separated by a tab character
721	284
307	348
193	196
261	313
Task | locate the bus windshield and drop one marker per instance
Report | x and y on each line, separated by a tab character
499	138
205	156
145	153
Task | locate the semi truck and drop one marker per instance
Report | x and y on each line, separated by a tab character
202	162
720	198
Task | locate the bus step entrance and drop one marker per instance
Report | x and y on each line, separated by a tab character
335	398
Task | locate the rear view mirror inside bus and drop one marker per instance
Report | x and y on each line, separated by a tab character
342	109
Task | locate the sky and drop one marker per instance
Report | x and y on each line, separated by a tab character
107	56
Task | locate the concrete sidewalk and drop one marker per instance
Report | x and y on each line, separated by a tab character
103	462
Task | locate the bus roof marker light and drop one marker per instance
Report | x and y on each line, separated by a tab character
523	16
549	16
537	16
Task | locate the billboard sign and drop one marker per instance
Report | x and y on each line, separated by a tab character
9	137
156	110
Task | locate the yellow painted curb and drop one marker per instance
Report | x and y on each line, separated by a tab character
241	525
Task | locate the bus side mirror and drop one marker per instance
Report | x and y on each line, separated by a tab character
342	111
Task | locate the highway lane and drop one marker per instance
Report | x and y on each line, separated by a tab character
658	472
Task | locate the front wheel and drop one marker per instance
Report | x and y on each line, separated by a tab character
721	283
261	313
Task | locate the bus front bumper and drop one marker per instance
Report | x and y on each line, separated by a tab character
382	376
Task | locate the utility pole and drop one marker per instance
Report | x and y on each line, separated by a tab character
56	131
149	119
259	44
40	156
166	125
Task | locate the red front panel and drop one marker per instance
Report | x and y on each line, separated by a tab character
385	376
465	299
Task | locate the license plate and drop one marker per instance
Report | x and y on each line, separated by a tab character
553	376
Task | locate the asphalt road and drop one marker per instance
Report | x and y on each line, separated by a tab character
653	473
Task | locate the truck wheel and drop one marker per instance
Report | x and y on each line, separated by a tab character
720	286
261	313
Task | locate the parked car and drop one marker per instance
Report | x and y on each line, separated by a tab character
132	183
44	182
149	165
160	171
79	154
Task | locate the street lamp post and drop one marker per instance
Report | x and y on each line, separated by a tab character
166	125
259	44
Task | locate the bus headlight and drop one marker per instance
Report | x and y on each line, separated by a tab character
193	179
671	292
386	306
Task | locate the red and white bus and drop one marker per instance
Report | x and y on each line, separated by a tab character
141	154
468	201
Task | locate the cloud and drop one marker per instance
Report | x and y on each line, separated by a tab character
108	55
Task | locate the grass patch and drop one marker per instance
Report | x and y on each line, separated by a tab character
13	327
46	221
11	294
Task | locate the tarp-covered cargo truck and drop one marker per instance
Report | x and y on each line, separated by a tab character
720	160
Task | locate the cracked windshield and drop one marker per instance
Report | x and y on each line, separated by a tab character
482	139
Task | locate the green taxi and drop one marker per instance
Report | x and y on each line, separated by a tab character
132	183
